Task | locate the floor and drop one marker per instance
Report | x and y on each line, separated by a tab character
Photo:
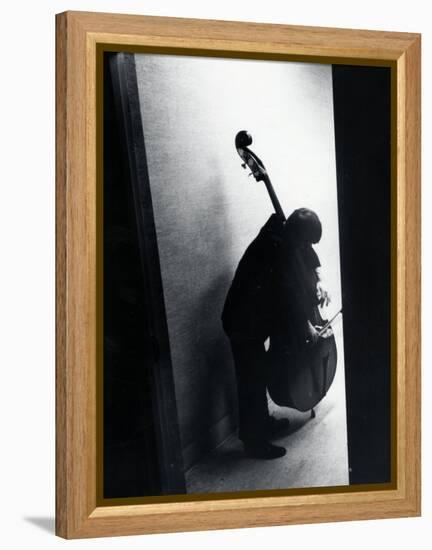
316	451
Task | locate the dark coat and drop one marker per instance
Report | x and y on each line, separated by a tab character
273	288
246	311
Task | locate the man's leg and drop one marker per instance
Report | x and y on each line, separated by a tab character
249	359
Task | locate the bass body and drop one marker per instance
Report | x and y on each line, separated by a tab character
300	378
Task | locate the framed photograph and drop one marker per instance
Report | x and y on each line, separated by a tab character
238	274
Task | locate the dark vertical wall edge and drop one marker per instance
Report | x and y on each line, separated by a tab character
362	114
155	331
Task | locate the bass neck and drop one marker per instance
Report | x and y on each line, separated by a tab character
274	199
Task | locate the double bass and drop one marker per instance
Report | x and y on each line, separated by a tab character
298	376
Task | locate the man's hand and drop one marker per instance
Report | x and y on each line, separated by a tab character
312	336
322	293
327	333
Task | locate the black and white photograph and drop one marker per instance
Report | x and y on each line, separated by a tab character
247	281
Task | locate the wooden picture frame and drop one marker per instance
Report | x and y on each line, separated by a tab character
81	40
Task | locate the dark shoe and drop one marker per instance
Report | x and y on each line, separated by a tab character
277	426
264	450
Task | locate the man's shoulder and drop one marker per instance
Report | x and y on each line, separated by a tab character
265	245
270	233
273	227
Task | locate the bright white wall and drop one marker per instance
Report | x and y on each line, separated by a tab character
27	273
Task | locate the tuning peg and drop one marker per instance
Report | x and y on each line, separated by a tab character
244	165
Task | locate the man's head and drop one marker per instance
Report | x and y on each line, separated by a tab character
303	227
